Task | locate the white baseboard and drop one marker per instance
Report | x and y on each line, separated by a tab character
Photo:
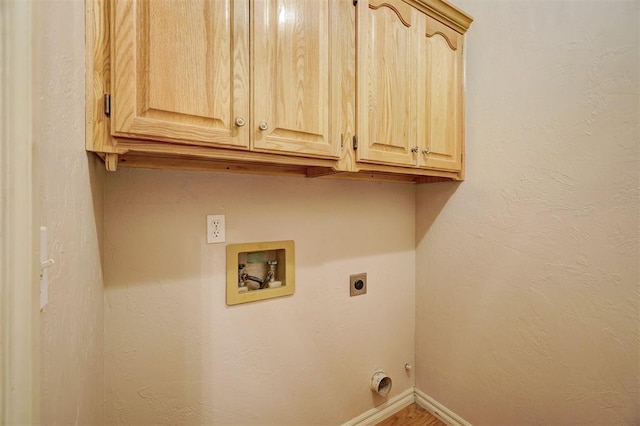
381	412
439	410
406	398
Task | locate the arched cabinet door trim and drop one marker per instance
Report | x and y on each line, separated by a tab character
400	8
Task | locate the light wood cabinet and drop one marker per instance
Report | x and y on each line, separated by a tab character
443	130
388	82
298	68
410	94
181	71
367	89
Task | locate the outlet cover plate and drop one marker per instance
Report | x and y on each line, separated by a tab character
215	228
358	284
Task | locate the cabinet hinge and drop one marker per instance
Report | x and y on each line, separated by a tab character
355	142
107	104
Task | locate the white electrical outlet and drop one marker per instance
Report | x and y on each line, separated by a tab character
215	228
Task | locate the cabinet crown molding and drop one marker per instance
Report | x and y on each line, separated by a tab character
444	12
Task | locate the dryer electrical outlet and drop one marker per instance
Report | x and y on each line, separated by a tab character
215	228
358	284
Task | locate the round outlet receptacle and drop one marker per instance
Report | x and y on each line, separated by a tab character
358	284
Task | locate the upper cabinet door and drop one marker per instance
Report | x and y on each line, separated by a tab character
300	60
387	81
443	126
180	71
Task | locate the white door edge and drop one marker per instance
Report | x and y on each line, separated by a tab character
18	269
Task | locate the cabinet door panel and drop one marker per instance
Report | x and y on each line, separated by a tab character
387	82
297	71
181	70
443	98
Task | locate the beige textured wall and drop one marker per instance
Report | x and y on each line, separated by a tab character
71	187
176	354
527	280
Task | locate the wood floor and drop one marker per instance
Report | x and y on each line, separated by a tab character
413	415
